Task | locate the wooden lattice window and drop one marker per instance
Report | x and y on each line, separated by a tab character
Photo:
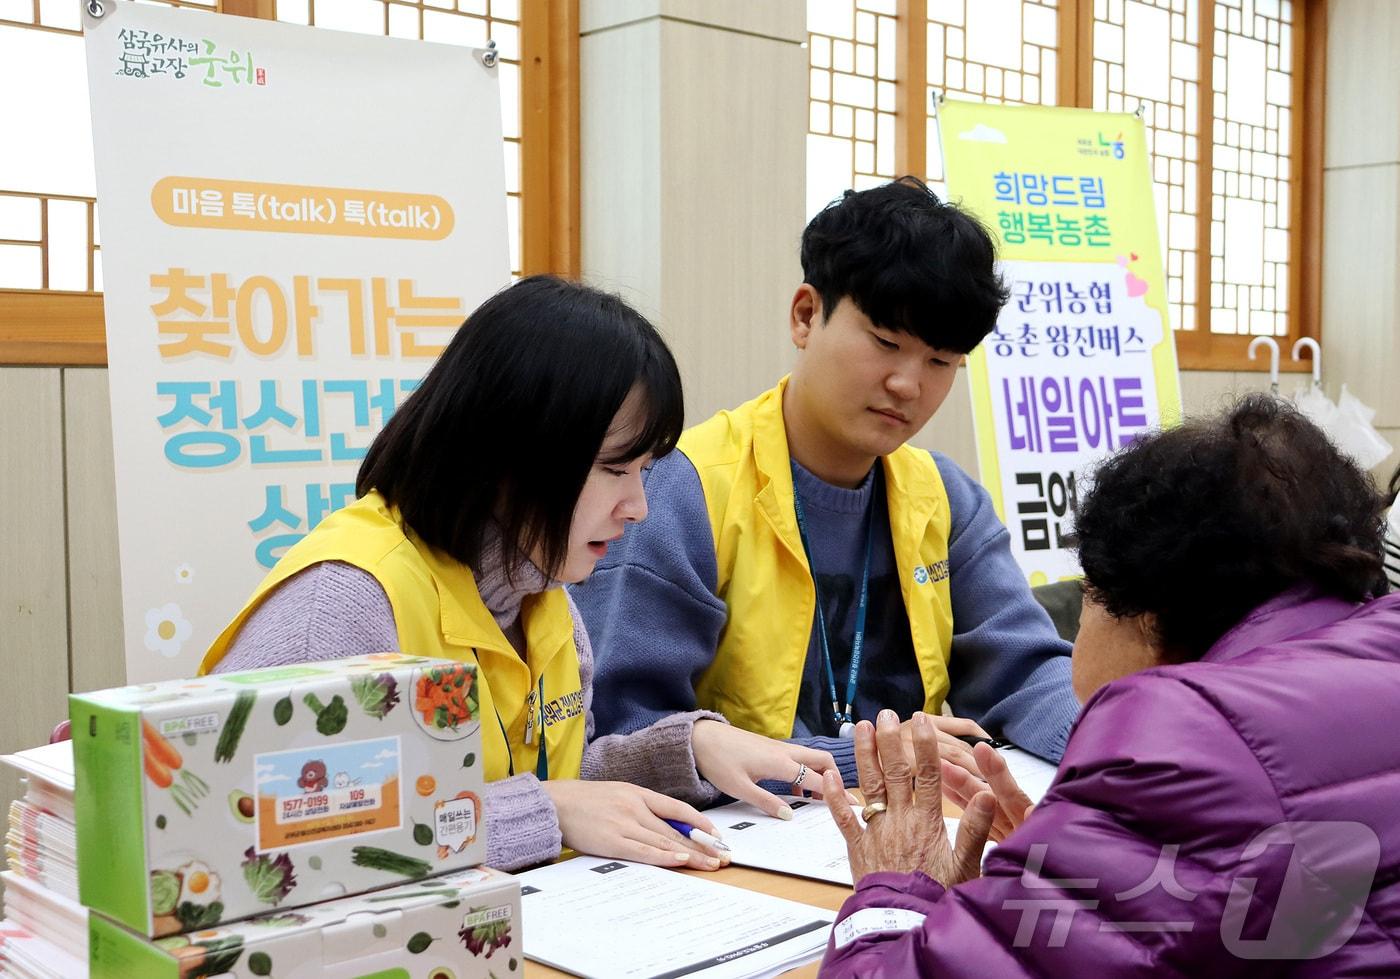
851	89
49	242
1161	77
1222	86
1251	80
48	232
988	51
50	251
471	23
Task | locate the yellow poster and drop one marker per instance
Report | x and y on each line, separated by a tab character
1082	360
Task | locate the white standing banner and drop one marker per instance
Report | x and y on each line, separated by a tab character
294	222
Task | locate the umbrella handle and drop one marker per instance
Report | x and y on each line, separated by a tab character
1272	344
1309	343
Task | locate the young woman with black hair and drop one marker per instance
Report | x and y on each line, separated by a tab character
506	474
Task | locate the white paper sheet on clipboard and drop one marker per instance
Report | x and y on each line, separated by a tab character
610	919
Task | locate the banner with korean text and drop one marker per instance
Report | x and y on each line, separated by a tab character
294	222
1082	360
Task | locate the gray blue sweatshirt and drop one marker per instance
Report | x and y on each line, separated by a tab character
654	617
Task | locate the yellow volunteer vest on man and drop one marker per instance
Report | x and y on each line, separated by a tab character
766	582
439	612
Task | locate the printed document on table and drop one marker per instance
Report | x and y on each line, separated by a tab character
808	845
603	918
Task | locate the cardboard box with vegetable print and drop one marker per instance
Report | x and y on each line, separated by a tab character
204	801
464	925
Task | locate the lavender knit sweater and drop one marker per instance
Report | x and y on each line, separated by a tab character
332	610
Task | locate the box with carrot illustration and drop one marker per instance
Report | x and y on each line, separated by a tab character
463	925
208	800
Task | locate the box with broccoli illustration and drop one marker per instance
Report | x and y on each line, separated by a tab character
208	800
464	925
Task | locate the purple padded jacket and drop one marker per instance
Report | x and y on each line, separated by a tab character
1234	816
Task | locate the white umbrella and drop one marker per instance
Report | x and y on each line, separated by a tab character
1348	422
1348	425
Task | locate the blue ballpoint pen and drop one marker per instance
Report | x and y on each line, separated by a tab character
696	835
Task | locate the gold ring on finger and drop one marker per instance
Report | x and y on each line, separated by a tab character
872	809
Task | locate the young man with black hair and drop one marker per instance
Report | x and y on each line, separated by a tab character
803	567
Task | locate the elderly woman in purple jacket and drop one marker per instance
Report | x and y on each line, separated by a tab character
1229	803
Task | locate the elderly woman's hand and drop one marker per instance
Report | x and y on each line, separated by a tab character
904	828
951	748
1013	805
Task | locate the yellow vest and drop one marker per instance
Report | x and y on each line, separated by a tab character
439	612
766	582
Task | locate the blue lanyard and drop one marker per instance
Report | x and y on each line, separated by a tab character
843	717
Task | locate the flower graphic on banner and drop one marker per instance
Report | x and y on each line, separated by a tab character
1134	286
166	629
184	574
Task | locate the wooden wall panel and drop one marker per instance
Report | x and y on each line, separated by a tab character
94	579
732	209
33	589
692	172
1360	315
1363	83
620	139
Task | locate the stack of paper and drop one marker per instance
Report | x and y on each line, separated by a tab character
603	918
44	931
48	773
25	955
42	846
53	918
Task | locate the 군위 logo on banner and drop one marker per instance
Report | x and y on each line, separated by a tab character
146	54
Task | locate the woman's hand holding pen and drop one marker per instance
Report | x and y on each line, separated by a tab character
627	822
733	761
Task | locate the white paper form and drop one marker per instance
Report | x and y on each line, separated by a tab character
808	845
608	918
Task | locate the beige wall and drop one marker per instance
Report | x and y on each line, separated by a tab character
60	604
693	126
1361	209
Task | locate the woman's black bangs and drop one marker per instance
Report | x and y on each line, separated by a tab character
665	414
